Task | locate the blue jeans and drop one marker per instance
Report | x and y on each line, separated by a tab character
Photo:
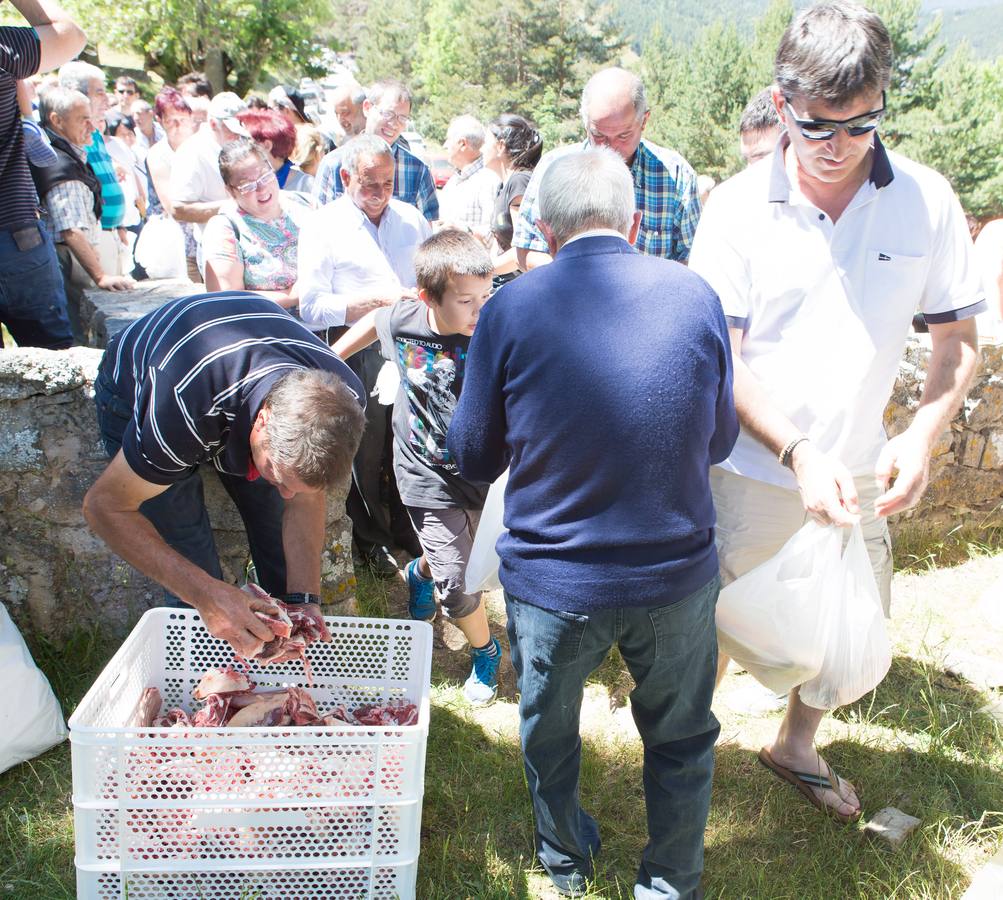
671	652
179	513
32	298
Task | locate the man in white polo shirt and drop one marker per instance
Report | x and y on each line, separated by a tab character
821	254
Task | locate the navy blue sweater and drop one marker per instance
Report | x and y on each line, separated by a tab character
604	380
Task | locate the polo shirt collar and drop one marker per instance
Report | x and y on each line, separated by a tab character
881	175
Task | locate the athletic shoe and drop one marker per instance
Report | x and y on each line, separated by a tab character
421	594
481	687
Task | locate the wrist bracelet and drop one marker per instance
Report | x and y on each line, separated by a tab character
298	598
785	455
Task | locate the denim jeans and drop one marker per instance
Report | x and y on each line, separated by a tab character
32	298
179	514
671	652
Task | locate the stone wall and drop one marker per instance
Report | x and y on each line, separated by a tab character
966	471
54	573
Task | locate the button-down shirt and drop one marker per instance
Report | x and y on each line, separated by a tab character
70	204
665	192
469	197
826	306
412	180
342	254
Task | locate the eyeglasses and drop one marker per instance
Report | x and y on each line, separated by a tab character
824	129
388	116
124	91
249	187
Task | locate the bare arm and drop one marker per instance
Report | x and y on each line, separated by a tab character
530	259
59	36
826	486
358	337
228	275
303	526
111	508
160	174
195	211
87	256
907	455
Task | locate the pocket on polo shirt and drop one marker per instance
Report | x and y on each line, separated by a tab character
893	285
652	239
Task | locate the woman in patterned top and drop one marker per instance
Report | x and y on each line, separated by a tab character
251	244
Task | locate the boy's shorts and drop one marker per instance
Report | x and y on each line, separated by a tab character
446	536
755	519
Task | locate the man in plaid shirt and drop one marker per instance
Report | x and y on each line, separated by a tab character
615	113
468	200
387	109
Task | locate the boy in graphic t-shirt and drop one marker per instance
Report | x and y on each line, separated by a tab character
428	339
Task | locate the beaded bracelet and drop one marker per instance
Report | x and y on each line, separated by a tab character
785	455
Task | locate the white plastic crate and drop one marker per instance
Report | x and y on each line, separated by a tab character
186	812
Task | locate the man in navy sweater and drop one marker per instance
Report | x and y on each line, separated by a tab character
603	380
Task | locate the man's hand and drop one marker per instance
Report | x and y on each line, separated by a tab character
228	614
116	283
826	486
357	307
907	457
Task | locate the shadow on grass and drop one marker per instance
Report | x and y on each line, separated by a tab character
921	698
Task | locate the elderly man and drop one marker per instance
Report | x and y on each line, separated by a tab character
615	112
230	380
196	187
148	129
371	264
608	410
90	80
348	100
821	258
468	200
71	196
34	308
759	128
387	108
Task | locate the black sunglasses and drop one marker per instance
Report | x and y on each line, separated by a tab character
824	129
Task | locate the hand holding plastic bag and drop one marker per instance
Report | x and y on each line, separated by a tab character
775	619
858	654
482	567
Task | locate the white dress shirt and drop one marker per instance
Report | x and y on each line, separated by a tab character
343	255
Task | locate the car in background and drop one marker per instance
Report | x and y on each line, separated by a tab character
442	171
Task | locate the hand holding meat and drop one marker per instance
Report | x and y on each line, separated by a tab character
232	616
293	628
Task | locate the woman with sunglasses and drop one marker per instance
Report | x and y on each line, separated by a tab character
252	243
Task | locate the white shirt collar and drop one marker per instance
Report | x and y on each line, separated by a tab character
595	232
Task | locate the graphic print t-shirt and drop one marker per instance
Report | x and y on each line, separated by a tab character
431	370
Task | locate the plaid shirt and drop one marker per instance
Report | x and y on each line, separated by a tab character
665	190
112	195
469	197
70	204
412	181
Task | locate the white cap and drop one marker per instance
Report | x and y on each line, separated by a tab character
224	108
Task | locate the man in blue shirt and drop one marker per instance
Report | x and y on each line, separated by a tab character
603	381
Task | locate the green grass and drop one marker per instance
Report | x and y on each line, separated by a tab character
918	743
919	550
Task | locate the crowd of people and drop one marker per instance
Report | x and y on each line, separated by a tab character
676	376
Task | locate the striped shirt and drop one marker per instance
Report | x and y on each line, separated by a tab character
20	53
112	195
197	371
412	181
665	191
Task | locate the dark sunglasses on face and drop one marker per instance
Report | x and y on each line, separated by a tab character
824	129
129	91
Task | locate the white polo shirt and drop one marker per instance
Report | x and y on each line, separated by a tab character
826	308
195	176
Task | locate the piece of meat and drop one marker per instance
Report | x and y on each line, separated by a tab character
172	718
394	712
215	713
264	712
147	709
222	681
295	628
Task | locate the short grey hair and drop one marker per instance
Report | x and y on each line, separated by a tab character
388	87
617	79
58	100
314	427
468	128
351	90
760	114
363	146
587	189
77	75
834	52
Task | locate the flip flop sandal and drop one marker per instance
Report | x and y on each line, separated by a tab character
805	781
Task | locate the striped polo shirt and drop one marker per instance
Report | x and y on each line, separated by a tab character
19	58
196	372
112	195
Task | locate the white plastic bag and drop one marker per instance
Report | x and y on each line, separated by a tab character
30	718
774	620
859	653
160	248
482	567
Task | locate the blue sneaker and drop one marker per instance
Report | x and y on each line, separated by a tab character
481	687
421	594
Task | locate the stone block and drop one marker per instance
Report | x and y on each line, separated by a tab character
892	826
974	447
986	407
